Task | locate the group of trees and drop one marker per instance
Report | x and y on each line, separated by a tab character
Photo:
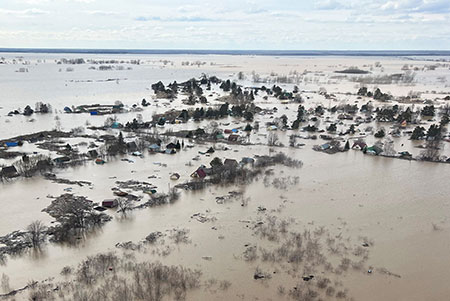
301	117
116	146
275	91
160	90
237	94
30	165
377	94
40	107
73	213
43	108
243	110
428	111
192	88
394	114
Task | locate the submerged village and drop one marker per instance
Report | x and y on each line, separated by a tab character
237	141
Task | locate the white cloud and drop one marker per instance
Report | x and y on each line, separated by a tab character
331	4
41	2
103	13
431	6
24	13
234	24
36	2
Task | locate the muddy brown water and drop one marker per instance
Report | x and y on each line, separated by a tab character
389	201
402	206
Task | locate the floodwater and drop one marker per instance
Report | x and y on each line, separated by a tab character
401	206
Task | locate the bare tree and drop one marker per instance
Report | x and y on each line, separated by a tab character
28	166
5	283
124	205
36	233
292	141
272	139
57	123
173	195
432	150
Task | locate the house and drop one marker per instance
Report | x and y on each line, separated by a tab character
199	132
405	155
247	160
374	150
171	145
9	172
116	125
175	176
199	173
11	144
345	117
154	148
120	193
99	161
359	145
233	138
110	203
150	191
131	146
231	163
93	153
43	165
174	145
326	137
170	151
62	159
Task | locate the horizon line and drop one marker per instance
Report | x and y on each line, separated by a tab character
296	52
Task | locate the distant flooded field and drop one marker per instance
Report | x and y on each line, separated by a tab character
230	177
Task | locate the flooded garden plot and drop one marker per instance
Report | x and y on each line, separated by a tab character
297	179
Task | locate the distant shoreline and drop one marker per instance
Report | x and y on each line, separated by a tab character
388	53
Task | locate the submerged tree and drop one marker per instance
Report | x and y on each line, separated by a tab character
73	213
418	133
433	145
434	132
428	111
332	127
42	107
124	205
36	233
272	139
380	134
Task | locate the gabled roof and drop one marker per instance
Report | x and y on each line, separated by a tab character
233	137
200	173
230	162
9	171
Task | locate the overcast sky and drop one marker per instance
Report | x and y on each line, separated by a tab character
226	24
